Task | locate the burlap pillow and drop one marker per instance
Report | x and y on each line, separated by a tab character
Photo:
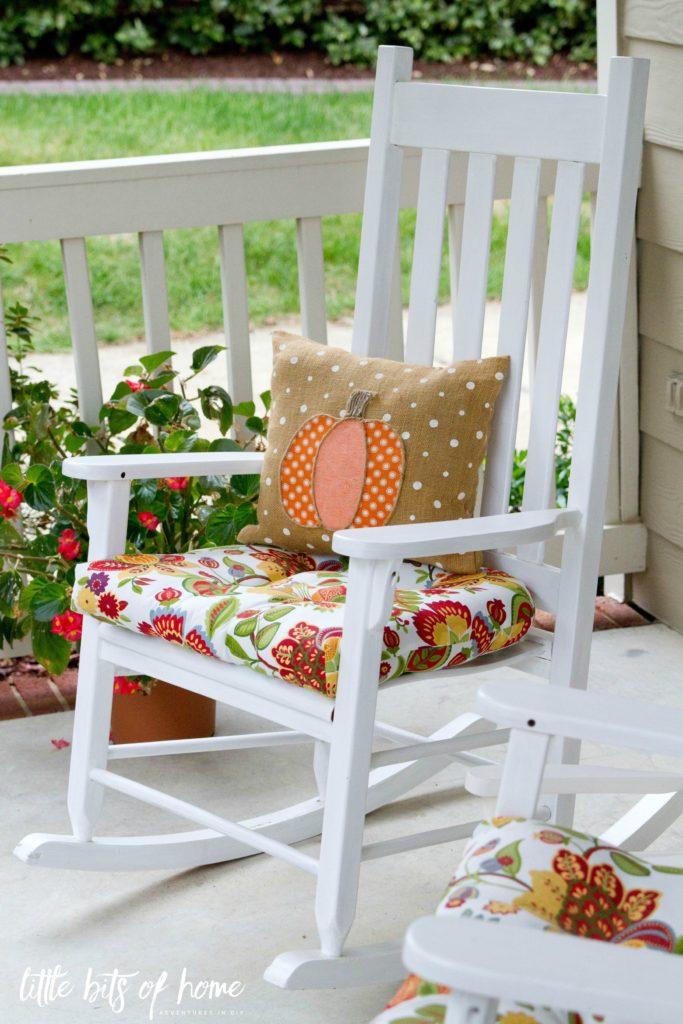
365	442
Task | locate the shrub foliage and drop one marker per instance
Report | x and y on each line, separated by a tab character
345	30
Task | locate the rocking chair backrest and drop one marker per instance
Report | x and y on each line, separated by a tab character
461	130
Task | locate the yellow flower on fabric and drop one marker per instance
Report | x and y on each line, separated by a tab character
498	907
546	896
515	1017
86	600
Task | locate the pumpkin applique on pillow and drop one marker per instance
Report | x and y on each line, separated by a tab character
362	442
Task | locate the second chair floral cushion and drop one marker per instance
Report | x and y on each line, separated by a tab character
356	442
527	874
281	613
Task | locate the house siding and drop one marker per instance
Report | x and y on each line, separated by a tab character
654	29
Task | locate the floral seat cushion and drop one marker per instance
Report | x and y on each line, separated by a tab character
281	613
527	874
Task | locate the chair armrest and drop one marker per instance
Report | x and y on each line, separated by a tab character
546	969
586	716
454	536
146	467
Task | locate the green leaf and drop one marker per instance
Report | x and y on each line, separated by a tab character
246	484
216	404
235	649
256	425
629	865
39	492
265	397
155	359
146	491
264	636
135	370
224	444
220	613
52	651
44	600
510	852
163	409
120	420
11	474
244	409
202	357
277	613
221	526
245	627
667	869
10	588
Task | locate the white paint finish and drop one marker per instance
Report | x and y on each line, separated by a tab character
660	204
663	122
456	217
309	249
543	969
426	266
235	311
149	467
154	292
474	257
653	19
657	362
484	780
520	263
82	322
627	434
549	125
660	274
658	590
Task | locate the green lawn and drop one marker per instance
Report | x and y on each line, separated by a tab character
58	128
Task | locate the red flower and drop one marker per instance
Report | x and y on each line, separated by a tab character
496	610
167	626
69	625
176	483
110	605
68	546
482	637
60	744
168	594
10	500
442	622
210	563
122	684
137	385
148	520
391	639
384	669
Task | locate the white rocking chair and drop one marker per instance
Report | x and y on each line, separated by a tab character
461	131
558	882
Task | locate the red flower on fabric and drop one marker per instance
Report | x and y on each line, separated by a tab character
148	520
168	594
198	643
176	483
137	385
482	636
167	626
496	610
300	657
69	625
391	638
442	622
10	500
210	563
68	546
110	605
384	669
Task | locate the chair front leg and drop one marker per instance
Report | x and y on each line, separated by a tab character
90	742
368	605
107	521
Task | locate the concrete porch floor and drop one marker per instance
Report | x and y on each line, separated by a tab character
227	922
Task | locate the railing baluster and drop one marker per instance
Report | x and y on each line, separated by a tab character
235	310
456	216
537	286
154	292
309	249
82	321
395	349
476	245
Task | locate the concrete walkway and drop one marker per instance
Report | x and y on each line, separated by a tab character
228	921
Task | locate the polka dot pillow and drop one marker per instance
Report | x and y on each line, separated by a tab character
357	441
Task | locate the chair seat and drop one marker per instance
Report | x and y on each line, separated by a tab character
529	874
281	613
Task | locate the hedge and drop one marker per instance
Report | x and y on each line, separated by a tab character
344	30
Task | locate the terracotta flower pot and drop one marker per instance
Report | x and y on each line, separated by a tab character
166	713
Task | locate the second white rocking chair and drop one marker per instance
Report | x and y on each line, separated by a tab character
473	133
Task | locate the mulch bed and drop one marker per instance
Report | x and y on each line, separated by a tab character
26	689
277	65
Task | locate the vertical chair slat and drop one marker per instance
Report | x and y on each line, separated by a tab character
456	215
474	266
395	346
424	280
82	322
309	249
517	278
564	232
154	292
235	310
537	285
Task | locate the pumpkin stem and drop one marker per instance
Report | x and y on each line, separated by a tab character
358	403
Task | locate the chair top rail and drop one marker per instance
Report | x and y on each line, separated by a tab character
512	122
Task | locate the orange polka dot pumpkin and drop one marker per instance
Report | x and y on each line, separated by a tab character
360	441
341	472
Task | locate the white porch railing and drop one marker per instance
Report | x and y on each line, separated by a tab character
228	189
